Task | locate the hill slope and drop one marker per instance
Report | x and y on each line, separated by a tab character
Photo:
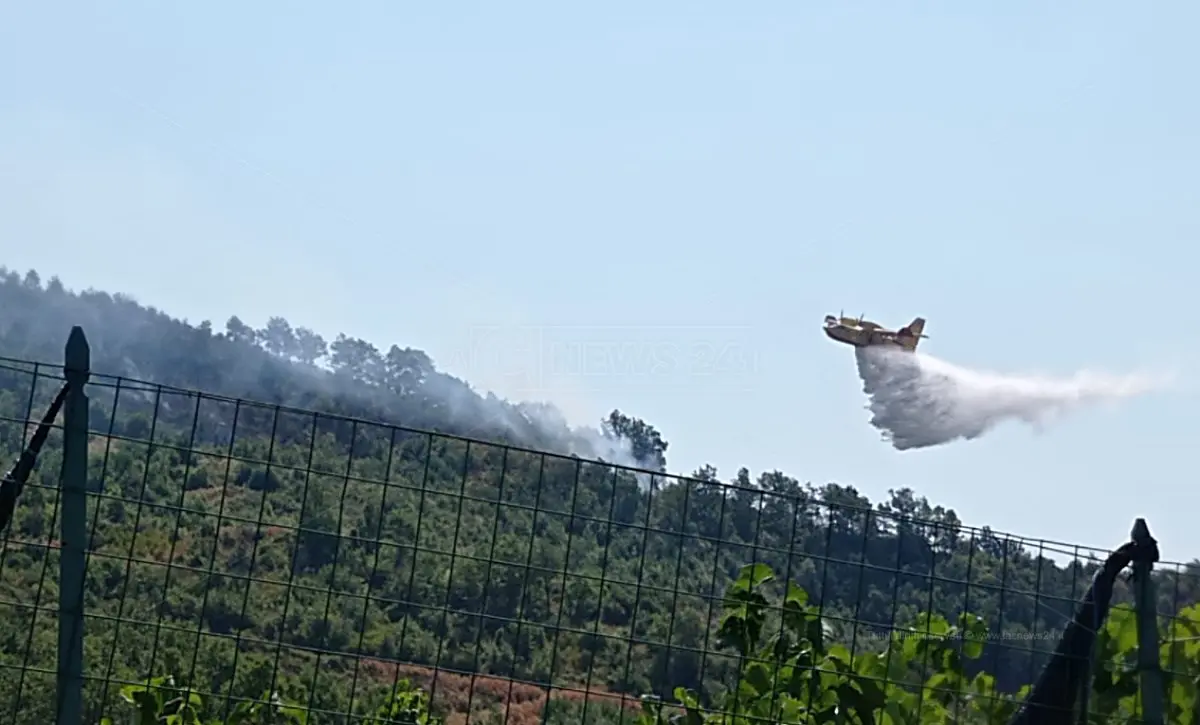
283	539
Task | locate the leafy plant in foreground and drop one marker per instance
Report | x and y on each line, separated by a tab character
794	673
793	670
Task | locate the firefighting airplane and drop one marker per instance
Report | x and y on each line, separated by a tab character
864	333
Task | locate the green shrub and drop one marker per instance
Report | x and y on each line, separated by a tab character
162	701
791	669
794	673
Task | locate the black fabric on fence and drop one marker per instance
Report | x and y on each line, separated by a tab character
14	482
1053	698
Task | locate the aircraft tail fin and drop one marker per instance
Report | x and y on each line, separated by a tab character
912	333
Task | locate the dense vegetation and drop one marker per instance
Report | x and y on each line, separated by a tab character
791	669
246	548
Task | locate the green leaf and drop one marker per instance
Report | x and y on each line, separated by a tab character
1125	634
840	653
758	677
935	625
751	577
870	664
910	646
796	596
974	632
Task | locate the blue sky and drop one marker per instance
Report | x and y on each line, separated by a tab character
695	184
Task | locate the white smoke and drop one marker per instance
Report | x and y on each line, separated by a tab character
919	401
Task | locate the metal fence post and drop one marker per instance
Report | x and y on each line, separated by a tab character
1146	604
73	530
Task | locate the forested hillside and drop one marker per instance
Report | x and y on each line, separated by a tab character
282	538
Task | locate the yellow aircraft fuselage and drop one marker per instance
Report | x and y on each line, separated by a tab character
864	333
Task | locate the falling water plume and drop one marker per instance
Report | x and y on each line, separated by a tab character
918	401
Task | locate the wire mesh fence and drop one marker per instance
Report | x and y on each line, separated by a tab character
245	549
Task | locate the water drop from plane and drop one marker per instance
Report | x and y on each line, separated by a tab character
918	401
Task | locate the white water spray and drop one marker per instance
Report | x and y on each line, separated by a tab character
919	401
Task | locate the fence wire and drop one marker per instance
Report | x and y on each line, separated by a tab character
245	548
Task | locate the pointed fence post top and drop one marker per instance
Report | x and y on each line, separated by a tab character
78	358
1146	554
1150	683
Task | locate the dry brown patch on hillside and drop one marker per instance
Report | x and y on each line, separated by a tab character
507	701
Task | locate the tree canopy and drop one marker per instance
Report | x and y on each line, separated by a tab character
244	548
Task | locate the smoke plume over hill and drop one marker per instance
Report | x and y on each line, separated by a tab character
292	365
